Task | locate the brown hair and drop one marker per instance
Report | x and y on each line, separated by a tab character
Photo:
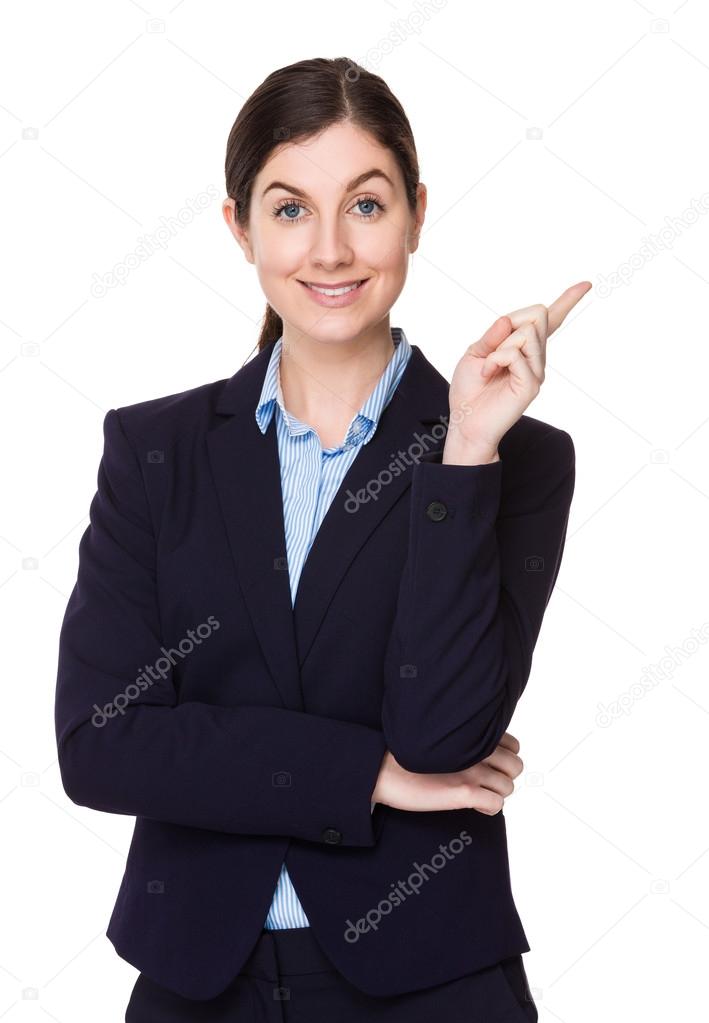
299	101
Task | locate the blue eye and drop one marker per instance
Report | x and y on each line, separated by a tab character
292	204
369	200
279	209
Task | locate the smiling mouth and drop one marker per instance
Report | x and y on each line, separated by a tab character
335	291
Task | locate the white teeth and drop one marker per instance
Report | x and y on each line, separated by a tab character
334	291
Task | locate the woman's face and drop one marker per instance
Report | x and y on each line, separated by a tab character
318	216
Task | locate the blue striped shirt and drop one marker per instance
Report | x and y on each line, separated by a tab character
310	478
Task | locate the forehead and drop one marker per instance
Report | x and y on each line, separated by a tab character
326	162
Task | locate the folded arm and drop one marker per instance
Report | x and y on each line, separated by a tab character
485	547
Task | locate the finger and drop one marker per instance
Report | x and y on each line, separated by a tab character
536	314
492	337
560	309
523	378
505	761
495	780
532	347
509	742
548	320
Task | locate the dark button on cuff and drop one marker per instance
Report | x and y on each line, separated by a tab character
436	511
332	836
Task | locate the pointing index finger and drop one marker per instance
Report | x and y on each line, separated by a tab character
559	310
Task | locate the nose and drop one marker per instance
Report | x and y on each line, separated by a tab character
331	245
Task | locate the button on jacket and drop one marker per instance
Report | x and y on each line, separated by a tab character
243	731
310	478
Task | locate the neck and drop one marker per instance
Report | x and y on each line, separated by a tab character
332	379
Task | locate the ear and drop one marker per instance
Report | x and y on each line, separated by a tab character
421	200
241	235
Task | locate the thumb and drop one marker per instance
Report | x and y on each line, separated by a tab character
493	336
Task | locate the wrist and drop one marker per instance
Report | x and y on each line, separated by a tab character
383	768
470	449
459	451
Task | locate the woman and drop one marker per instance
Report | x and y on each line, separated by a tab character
317	781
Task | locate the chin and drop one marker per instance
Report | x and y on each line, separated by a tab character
331	333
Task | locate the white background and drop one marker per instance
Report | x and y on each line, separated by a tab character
557	140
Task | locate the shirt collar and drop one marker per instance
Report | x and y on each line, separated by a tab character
366	420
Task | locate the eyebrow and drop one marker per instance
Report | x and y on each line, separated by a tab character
375	172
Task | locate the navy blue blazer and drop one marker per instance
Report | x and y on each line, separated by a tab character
240	731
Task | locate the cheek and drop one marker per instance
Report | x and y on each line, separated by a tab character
385	250
278	258
278	245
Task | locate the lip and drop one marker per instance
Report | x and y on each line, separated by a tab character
335	284
335	301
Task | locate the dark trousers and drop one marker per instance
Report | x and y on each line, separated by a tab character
288	979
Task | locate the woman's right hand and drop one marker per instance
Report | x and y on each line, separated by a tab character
482	787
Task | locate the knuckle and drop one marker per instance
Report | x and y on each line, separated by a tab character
496	804
470	792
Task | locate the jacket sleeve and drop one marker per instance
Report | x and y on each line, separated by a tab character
253	769
485	547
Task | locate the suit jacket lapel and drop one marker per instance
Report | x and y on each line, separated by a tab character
246	472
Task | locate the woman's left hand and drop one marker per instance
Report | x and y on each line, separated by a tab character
499	375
